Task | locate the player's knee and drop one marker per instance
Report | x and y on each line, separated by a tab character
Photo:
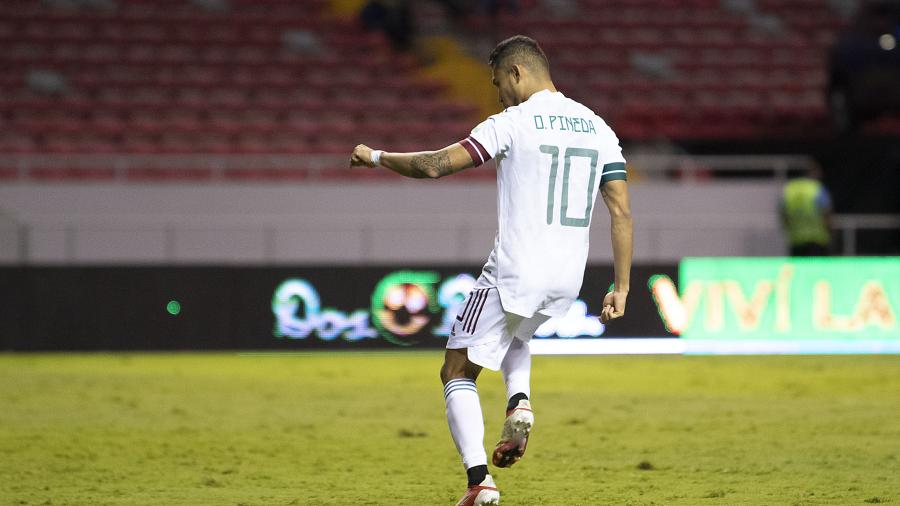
452	371
448	373
457	366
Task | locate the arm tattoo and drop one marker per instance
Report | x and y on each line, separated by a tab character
435	164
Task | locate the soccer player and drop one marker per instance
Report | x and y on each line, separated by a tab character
552	155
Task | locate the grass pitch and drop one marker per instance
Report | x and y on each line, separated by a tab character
369	428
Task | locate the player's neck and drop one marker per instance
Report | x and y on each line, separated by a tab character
539	87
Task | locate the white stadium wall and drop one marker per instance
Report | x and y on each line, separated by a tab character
410	222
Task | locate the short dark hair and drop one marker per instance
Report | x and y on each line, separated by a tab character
521	50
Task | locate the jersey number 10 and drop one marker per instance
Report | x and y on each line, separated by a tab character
570	153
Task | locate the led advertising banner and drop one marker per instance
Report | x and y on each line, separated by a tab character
418	307
782	299
706	305
135	308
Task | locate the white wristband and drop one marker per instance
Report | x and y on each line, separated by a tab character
376	156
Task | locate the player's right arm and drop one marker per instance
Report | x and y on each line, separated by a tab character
615	195
421	164
490	137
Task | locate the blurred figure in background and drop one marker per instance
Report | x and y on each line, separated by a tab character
864	67
459	9
393	17
805	210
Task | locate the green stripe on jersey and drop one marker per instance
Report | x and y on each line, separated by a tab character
613	171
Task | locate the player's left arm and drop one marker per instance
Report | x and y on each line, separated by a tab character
421	164
823	201
615	195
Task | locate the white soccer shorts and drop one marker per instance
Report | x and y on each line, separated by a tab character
487	330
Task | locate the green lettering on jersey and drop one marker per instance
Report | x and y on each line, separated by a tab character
565	124
553	151
564	219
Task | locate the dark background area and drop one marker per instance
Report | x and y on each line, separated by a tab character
124	308
862	173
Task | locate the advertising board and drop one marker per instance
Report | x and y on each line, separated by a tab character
704	305
772	298
123	308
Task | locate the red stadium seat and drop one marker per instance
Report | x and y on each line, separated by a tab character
166	76
49	174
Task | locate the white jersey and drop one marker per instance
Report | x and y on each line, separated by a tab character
552	155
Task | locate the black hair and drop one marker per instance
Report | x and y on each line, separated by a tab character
520	50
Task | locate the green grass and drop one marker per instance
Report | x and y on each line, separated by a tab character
369	428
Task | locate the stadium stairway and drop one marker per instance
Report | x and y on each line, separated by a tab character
692	69
467	78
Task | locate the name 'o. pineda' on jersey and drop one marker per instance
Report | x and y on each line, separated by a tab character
553	156
564	123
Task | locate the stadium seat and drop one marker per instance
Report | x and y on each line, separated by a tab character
169	76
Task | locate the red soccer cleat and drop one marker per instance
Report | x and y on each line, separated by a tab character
514	438
483	494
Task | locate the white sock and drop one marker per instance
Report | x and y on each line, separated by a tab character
466	421
516	367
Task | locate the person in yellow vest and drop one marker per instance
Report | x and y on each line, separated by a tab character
806	215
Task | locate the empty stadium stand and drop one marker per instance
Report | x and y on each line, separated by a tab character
259	77
693	69
172	76
119	119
